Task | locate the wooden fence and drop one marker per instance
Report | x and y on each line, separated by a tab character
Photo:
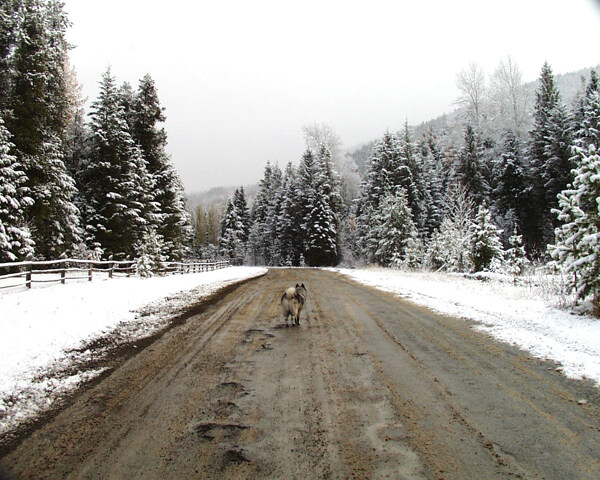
28	273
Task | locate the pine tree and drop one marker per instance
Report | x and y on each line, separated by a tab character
234	229
437	255
15	237
558	164
550	165
171	219
454	233
31	111
241	206
395	229
260	231
577	249
435	183
305	195
40	110
516	259
148	253
469	170
421	197
510	192
111	176
484	241
587	128
9	32
388	169
55	222
272	226
200	228
288	221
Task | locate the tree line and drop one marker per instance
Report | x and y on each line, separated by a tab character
103	188
518	185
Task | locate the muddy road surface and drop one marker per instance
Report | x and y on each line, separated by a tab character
367	387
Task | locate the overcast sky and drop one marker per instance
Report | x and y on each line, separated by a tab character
239	79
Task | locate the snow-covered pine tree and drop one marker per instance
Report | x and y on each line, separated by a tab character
58	96
228	237
234	232
415	252
176	227
394	228
367	241
546	142
55	223
454	233
331	189
173	221
148	254
587	130
437	255
40	109
273	245
200	225
388	169
288	221
420	197
484	241
320	223
31	76
241	206
434	183
15	237
510	198
259	234
558	164
9	32
305	195
577	248
516	259
469	167
112	213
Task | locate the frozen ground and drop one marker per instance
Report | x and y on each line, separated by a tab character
46	331
526	315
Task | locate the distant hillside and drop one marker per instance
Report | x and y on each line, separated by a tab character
218	196
569	85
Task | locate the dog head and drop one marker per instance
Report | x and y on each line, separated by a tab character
301	290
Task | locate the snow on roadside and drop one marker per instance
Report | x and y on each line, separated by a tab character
45	330
519	315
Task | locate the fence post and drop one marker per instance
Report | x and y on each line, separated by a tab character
90	273
62	276
110	270
28	276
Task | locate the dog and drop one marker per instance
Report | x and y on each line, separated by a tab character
292	302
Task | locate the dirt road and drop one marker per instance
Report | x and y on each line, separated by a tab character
367	387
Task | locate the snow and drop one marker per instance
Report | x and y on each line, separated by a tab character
45	330
523	315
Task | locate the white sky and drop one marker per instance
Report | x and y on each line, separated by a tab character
240	78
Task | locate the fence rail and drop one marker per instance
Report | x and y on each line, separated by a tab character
28	273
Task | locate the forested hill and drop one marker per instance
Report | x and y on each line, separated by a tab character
217	196
568	84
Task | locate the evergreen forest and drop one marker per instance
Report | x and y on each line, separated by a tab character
101	188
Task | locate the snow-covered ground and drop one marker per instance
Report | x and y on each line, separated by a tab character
45	331
525	315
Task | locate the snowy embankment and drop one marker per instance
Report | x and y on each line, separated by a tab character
46	331
523	315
